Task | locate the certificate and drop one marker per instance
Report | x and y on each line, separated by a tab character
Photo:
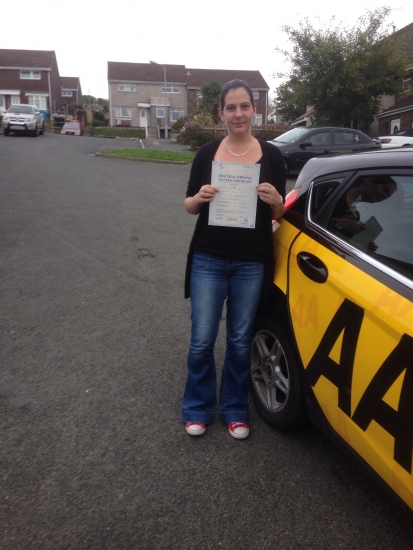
236	203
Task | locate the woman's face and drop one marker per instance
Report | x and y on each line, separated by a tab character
238	111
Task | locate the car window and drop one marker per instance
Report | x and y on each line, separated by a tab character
292	135
376	216
321	138
346	138
321	192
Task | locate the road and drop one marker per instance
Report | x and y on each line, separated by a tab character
93	341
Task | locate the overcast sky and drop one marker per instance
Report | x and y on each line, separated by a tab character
215	34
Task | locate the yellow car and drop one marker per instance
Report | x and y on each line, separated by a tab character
334	342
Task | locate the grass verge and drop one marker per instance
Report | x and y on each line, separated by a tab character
153	155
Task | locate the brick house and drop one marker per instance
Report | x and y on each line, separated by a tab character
71	89
137	96
397	112
32	77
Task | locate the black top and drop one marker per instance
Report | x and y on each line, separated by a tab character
232	242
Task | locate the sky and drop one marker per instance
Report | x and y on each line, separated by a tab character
215	34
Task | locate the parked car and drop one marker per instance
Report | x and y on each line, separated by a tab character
401	138
333	340
23	118
72	128
304	143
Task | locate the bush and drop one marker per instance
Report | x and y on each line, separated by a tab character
266	135
194	136
99	117
177	125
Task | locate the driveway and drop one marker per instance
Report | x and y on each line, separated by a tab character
93	344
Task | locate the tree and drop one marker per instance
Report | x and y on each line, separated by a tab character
208	102
92	100
88	100
341	72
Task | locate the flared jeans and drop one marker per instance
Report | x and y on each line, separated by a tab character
214	280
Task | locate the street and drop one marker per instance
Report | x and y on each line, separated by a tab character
94	338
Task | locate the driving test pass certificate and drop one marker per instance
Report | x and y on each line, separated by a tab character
236	203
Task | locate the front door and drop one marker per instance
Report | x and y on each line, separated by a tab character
143	121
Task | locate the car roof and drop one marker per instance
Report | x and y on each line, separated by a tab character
382	158
309	128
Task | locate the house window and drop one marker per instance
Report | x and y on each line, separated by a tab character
256	94
127	87
160	112
1	101
257	120
30	75
171	89
15	99
176	114
124	113
67	93
39	101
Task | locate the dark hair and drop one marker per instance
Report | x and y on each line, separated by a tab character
378	180
233	85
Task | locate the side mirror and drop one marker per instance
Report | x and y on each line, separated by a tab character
4	112
38	113
306	144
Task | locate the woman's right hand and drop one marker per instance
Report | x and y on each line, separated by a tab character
205	194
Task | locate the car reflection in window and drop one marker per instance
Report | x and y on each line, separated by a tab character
376	216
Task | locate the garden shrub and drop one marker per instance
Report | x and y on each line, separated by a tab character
177	125
194	136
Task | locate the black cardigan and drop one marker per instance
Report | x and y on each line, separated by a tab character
273	162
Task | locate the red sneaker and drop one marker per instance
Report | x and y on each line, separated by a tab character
195	428
239	430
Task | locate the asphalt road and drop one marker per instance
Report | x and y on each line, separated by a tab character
93	340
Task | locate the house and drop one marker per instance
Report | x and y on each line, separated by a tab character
397	111
71	90
32	77
198	77
304	120
138	96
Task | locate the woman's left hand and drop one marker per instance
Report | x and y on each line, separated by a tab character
269	194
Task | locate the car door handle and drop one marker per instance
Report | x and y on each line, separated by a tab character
312	267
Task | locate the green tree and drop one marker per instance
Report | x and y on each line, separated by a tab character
341	72
208	102
88	99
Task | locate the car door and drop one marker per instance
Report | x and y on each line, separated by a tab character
312	145
350	298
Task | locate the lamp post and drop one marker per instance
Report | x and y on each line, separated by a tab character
164	76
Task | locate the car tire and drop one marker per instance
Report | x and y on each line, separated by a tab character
35	131
6	132
41	132
275	381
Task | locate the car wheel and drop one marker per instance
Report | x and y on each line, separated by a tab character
34	133
41	132
275	383
6	132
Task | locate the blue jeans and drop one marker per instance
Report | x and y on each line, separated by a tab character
214	280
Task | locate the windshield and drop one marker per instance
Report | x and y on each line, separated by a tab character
292	135
27	110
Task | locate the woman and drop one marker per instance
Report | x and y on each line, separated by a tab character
228	263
